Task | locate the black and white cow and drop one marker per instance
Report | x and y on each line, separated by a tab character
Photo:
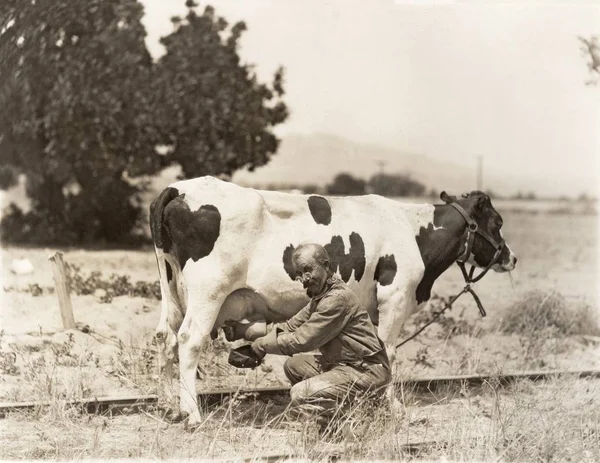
224	254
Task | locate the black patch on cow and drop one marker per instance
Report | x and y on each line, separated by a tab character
288	266
438	248
336	250
386	269
427	236
320	209
169	271
346	263
194	233
354	260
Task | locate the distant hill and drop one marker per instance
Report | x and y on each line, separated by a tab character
317	158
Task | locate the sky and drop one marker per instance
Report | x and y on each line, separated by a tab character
449	80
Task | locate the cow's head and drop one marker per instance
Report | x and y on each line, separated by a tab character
479	208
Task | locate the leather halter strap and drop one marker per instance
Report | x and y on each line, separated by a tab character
472	230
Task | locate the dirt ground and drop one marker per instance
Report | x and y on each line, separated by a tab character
38	361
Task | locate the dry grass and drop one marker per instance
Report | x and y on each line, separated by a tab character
551	312
552	421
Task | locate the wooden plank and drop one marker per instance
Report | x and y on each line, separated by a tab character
102	405
62	290
134	403
431	384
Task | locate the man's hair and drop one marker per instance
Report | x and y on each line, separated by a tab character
318	252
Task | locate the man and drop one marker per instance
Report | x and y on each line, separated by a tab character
353	359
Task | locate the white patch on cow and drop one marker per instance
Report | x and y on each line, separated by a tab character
420	216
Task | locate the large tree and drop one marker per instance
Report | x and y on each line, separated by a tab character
75	115
83	106
217	116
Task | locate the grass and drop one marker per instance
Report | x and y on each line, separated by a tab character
547	323
551	312
555	421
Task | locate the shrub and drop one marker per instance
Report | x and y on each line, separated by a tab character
542	311
115	285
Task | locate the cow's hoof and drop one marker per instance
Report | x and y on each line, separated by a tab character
191	426
397	409
176	416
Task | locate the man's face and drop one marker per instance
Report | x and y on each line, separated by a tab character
310	273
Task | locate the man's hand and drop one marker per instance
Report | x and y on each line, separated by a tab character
267	344
244	330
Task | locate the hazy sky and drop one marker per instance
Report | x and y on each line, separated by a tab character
449	80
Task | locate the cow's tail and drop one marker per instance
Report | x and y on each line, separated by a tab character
160	236
172	308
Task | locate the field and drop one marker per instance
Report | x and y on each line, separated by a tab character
542	316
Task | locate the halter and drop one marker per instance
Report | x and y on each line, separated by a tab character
472	230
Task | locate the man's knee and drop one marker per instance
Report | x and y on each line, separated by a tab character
293	370
313	392
299	393
298	368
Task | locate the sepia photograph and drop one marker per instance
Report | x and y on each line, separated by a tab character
285	230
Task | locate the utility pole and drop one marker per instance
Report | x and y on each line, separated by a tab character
381	165
480	173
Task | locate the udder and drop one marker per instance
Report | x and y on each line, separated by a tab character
244	305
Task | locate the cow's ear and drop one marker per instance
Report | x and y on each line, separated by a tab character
482	201
447	198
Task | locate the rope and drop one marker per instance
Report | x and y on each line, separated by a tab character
437	315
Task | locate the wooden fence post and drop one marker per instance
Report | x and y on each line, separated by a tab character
62	290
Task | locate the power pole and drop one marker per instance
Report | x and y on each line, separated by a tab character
381	165
480	173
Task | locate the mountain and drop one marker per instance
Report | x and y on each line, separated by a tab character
318	158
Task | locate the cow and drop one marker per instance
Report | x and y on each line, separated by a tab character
224	255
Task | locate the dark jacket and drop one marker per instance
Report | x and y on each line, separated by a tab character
335	323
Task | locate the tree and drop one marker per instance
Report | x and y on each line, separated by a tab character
395	185
591	49
74	93
215	114
346	184
83	108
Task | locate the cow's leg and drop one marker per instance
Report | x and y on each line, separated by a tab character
396	303
171	314
203	304
191	342
394	309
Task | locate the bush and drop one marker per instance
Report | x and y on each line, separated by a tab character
395	185
542	311
346	184
114	286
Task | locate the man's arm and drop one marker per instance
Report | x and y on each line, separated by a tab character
297	320
324	324
251	331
